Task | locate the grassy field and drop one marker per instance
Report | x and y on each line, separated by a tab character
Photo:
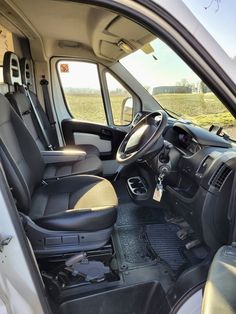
90	108
202	109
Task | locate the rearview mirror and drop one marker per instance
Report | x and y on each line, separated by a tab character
127	110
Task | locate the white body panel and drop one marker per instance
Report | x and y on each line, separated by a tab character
17	290
192	305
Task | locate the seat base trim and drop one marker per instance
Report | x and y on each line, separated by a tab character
48	242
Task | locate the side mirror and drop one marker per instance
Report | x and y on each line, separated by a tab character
127	111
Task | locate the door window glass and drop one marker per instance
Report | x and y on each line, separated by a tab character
121	101
81	86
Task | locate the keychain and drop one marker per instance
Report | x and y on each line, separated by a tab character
158	189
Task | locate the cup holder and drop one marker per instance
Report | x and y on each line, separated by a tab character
137	186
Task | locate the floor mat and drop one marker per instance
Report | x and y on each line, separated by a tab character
142	237
167	245
132	214
144	245
133	247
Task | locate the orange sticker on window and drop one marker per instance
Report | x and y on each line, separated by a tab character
64	68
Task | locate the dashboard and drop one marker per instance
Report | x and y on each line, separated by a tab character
188	143
199	186
193	138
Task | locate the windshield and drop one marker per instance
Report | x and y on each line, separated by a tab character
177	88
218	17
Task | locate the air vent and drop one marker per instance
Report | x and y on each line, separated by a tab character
220	176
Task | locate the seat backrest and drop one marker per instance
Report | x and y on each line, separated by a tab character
18	98
26	67
20	155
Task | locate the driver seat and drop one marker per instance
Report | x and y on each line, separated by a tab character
62	215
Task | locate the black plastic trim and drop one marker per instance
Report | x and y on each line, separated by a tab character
202	136
187	284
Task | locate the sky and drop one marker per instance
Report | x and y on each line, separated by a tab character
164	67
219	21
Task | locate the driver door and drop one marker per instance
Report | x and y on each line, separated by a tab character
98	109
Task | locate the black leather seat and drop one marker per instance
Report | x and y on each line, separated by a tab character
84	203
91	164
68	214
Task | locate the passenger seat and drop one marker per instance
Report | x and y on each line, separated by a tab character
64	165
70	214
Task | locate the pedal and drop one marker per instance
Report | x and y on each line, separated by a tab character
182	234
174	220
192	244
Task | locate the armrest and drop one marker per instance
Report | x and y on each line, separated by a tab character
50	157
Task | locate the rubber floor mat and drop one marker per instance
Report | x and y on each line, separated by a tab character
132	214
167	245
144	245
133	247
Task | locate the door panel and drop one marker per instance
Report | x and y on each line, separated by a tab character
94	106
104	146
106	139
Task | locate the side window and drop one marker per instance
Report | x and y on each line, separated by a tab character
82	90
121	101
6	44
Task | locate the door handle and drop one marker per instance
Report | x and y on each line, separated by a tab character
106	134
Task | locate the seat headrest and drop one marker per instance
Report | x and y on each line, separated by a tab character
26	71
11	69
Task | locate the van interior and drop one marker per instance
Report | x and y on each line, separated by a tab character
124	204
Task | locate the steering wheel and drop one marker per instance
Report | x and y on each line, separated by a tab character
144	136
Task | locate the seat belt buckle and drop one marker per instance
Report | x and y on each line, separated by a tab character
50	147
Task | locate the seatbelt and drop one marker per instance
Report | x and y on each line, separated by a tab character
49	145
47	101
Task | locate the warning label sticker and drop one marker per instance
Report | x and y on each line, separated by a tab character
64	68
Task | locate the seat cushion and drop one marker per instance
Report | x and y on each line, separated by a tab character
78	203
90	165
